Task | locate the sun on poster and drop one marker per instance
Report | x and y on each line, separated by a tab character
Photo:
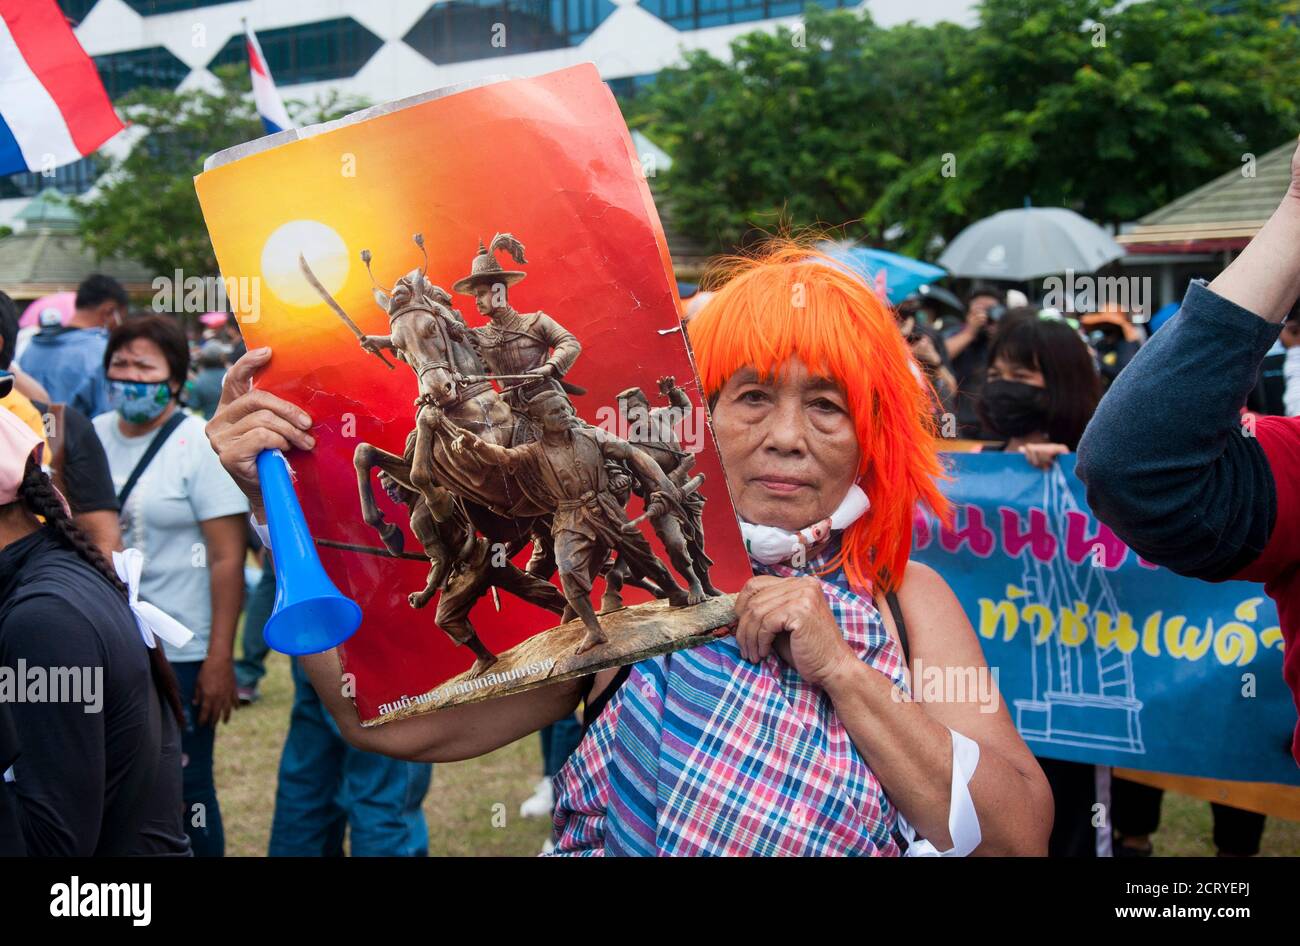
471	294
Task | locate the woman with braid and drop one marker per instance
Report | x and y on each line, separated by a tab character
98	768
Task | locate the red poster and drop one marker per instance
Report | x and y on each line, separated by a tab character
471	294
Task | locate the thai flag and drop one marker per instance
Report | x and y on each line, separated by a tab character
269	107
53	107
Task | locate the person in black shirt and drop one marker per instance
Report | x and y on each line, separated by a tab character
80	466
968	351
1041	385
931	353
11	831
81	472
1041	388
99	775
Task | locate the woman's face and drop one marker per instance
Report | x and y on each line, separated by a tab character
1003	370
139	360
788	444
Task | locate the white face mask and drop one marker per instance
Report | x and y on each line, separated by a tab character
772	546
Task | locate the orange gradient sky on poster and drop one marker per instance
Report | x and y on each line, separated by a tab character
548	160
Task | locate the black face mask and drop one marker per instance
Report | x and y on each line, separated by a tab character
1013	408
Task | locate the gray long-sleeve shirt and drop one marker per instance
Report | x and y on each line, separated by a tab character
1172	465
1168	463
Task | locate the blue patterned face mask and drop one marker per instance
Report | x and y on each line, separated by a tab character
139	401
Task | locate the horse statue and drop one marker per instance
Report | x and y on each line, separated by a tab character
455	393
435	341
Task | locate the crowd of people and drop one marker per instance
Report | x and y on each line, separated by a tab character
124	430
141	474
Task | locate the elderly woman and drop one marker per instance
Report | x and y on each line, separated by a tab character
799	734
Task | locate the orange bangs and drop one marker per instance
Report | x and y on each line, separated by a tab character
791	301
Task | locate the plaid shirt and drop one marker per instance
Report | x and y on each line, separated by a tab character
703	753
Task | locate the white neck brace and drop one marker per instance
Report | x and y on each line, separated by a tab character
772	546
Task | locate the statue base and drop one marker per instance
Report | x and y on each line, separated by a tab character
635	633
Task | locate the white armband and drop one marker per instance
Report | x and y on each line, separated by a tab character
263	533
963	822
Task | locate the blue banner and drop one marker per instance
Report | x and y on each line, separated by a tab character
1101	656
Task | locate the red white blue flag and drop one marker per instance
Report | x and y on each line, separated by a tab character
269	106
53	107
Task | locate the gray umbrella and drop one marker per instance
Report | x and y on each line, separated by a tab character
1019	245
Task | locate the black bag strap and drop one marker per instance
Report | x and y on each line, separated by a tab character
896	610
592	706
150	452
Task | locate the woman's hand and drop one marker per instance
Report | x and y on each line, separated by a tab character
215	693
1043	455
248	421
791	614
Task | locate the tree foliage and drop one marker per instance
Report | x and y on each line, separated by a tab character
904	135
145	207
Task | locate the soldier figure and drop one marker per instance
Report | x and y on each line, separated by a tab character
680	526
516	343
462	566
565	470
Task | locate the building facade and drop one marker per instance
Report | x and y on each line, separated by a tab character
381	50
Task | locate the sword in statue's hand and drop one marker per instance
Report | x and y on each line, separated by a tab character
338	309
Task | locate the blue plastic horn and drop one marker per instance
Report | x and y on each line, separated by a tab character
310	614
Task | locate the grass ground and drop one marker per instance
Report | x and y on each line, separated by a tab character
462	804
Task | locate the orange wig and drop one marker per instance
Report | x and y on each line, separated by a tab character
791	301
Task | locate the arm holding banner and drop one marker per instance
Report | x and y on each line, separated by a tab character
458	732
1172	465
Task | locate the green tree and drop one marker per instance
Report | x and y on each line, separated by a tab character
1115	110
904	135
803	128
145	207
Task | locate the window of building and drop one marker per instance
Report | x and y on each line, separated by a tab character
696	14
310	52
154	67
74	178
463	30
76	10
626	87
151	7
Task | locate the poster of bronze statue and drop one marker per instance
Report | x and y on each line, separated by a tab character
514	474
